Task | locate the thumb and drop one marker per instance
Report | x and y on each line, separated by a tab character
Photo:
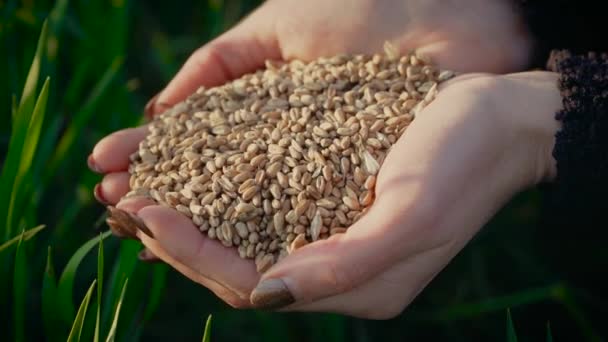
241	50
328	267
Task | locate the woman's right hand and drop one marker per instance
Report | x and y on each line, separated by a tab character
484	139
463	35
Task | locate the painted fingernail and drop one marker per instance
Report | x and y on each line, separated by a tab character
128	221
119	231
92	164
147	256
160	107
154	107
149	108
271	294
98	193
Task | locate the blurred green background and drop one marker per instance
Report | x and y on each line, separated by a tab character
106	58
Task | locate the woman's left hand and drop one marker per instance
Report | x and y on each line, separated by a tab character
482	140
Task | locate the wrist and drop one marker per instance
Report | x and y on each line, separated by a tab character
530	102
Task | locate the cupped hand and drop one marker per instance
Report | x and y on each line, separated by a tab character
464	36
482	140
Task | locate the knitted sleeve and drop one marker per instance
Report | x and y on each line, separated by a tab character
564	32
581	148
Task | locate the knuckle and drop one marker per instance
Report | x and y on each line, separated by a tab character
340	278
231	298
220	53
236	303
200	55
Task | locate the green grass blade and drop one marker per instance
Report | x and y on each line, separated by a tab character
467	310
207	333
66	282
159	279
112	333
73	91
18	137
565	296
549	334
49	296
511	335
28	95
14	107
34	129
123	268
80	120
27	154
57	18
28	234
99	290
57	14
19	290
79	320
46	146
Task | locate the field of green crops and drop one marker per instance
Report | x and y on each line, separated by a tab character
74	71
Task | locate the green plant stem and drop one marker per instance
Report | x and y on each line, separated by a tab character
468	310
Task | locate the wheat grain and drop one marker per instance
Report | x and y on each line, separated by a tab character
287	155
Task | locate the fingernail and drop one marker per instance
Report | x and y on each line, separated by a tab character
130	222
118	230
98	194
271	294
160	107
92	164
149	108
147	256
154	107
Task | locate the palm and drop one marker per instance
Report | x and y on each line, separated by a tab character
412	230
479	36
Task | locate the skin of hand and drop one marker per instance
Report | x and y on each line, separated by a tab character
484	139
461	35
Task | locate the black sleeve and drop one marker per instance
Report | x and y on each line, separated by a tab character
564	31
581	147
579	26
572	230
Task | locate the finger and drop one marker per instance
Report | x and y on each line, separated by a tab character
461	78
388	294
537	76
337	265
146	255
113	186
241	50
455	56
111	154
136	204
232	298
184	243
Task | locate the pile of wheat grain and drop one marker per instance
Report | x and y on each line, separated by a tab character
285	156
